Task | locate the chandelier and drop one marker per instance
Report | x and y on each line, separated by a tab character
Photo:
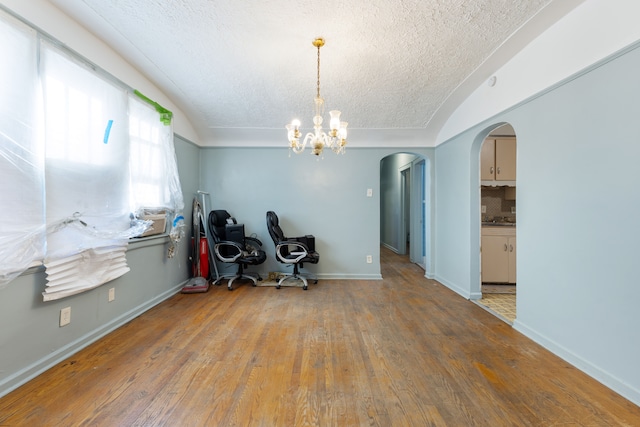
335	139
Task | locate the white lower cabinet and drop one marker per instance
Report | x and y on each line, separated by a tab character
498	249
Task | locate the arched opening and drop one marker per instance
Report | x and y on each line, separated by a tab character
497	221
403	206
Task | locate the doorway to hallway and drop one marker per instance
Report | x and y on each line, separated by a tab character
403	228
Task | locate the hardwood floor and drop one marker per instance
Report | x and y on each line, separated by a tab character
404	351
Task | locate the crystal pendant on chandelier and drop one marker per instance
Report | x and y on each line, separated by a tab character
318	140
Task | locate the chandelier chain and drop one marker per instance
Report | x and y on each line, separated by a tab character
318	82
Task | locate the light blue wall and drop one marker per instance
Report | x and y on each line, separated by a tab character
578	232
31	340
452	206
326	198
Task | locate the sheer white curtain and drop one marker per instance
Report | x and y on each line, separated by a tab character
22	238
87	175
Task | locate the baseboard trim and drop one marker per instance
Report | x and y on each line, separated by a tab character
38	367
585	366
349	276
455	288
391	248
474	296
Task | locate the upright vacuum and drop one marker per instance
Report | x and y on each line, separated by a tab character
199	255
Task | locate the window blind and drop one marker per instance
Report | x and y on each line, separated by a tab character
83	271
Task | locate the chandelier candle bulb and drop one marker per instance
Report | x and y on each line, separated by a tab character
342	133
293	130
334	123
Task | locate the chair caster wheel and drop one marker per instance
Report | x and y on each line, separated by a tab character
278	287
230	288
304	288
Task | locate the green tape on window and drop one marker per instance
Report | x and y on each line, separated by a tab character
165	115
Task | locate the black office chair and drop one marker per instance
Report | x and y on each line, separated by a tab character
232	246
292	251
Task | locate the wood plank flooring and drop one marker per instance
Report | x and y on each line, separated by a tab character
403	351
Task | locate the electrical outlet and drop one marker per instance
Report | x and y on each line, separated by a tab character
65	316
369	259
112	294
484	209
369	192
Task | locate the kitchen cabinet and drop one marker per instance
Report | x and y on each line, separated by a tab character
498	249
498	159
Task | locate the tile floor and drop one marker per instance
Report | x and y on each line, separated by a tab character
500	300
503	305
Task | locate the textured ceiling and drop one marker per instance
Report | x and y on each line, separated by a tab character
246	64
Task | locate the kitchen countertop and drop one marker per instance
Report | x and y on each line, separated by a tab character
498	230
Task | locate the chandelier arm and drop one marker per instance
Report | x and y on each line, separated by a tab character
307	139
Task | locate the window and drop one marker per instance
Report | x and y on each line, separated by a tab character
87	175
87	154
78	154
151	158
155	184
22	229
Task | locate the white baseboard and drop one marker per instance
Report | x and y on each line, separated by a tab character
614	383
455	288
350	276
38	367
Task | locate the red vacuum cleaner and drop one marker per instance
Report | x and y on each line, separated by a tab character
199	254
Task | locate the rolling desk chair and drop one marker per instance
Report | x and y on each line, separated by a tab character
233	247
292	251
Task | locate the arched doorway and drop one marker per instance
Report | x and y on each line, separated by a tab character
498	221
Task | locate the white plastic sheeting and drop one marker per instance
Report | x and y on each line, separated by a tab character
72	173
22	229
87	175
155	182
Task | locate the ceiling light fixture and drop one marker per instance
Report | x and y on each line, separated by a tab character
336	139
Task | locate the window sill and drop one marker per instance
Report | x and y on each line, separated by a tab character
143	242
135	243
35	267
